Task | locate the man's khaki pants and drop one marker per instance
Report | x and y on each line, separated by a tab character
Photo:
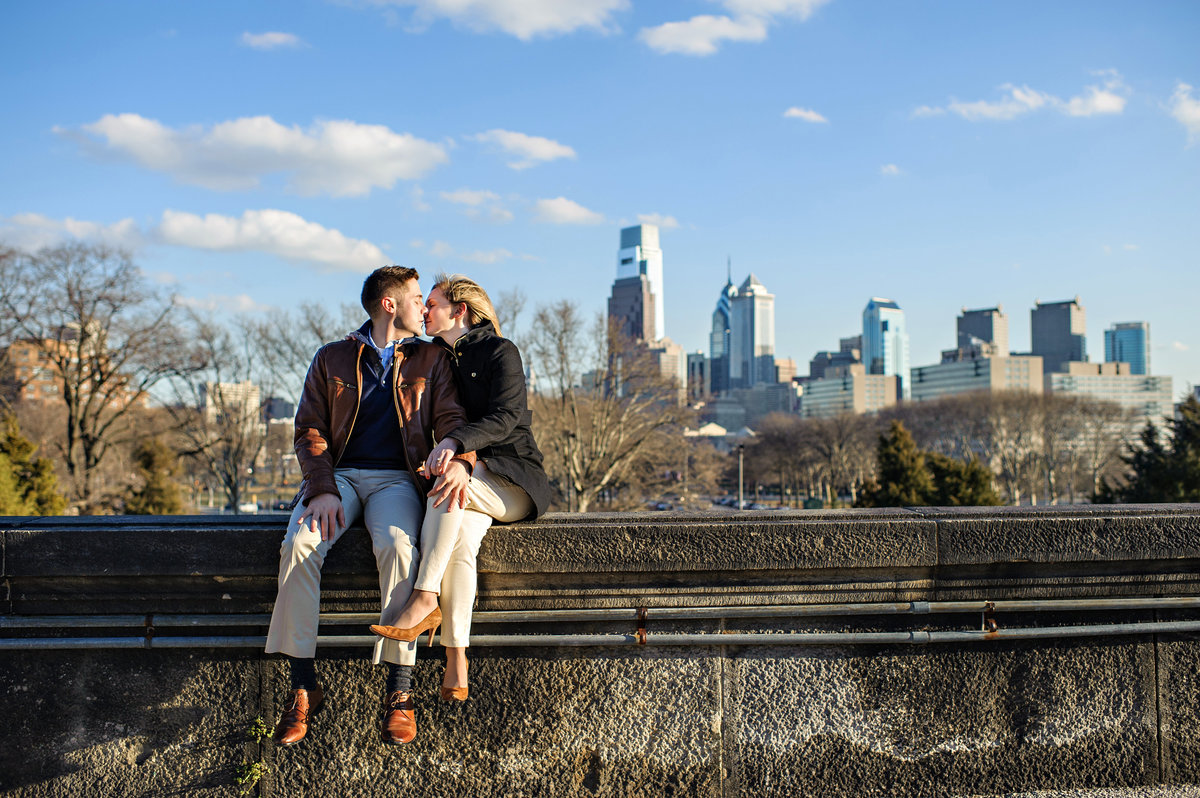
450	540
390	506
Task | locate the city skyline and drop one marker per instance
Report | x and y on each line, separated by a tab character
945	156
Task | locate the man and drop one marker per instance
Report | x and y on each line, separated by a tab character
371	409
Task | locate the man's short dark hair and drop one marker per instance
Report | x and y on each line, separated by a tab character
383	281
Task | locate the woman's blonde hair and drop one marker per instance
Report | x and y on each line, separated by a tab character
457	288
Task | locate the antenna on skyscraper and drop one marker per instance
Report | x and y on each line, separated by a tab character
729	268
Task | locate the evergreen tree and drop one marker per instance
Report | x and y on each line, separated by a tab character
1163	471
34	485
159	493
909	477
904	480
11	500
959	483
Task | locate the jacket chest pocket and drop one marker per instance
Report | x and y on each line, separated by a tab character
340	386
410	393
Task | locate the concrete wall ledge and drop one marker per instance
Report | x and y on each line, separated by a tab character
1097	715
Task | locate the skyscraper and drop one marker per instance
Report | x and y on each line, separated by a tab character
631	304
719	338
1059	333
988	325
1129	342
752	335
641	255
885	341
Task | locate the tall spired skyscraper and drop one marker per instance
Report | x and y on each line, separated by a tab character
719	338
640	255
885	341
752	335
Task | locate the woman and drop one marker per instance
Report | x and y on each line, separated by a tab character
508	483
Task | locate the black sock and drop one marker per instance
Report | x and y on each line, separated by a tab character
304	673
399	677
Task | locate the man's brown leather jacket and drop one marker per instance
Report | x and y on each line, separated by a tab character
426	403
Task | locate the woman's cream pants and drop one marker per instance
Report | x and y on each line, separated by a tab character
450	539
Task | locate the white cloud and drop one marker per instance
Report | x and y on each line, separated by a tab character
1108	98
525	19
337	157
927	110
237	303
271	231
665	222
561	210
807	114
468	196
800	9
1018	100
890	170
1129	247
1179	346
441	249
32	231
747	21
703	34
1186	110
479	204
271	40
530	150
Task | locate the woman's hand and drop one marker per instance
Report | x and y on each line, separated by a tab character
452	485
440	457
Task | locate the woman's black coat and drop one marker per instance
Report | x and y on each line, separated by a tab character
491	387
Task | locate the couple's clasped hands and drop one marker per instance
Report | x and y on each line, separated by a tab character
328	516
452	475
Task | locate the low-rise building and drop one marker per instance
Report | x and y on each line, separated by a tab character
1151	398
848	389
960	374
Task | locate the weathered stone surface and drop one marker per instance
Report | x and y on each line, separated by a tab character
1078	533
1179	706
81	724
546	723
712	542
937	721
1099	716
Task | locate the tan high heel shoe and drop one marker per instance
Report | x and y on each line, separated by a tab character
408	634
454	693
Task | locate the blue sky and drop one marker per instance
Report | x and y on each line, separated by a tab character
942	154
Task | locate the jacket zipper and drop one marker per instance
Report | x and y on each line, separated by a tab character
396	359
357	404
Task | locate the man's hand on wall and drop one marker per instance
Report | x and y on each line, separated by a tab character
327	515
452	485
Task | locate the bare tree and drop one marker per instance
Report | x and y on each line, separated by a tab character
1062	428
1105	431
595	434
219	403
509	306
287	339
843	445
108	336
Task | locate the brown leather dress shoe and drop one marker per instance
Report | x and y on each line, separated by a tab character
301	705
399	719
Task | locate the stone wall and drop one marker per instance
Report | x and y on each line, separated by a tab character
984	717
